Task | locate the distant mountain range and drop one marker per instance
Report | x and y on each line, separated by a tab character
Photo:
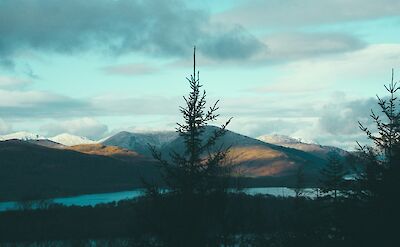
267	156
68	164
253	158
64	139
21	135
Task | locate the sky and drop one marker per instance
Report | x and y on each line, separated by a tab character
309	69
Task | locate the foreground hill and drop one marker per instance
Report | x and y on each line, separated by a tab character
32	171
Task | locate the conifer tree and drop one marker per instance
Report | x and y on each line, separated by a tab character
198	169
382	160
380	177
332	176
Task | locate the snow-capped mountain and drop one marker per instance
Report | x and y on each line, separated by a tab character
287	141
71	140
22	135
278	139
140	142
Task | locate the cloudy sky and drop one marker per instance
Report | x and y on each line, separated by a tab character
305	68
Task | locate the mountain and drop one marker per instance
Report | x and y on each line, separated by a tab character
71	140
248	156
278	139
22	135
30	171
139	142
316	149
253	158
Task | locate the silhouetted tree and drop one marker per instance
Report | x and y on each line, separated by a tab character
193	212
380	178
199	169
382	160
332	176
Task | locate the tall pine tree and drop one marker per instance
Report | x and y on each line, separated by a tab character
381	172
332	176
199	169
380	179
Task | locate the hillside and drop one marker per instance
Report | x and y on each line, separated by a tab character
110	151
47	143
33	171
253	158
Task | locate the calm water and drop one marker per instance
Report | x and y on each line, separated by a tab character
94	199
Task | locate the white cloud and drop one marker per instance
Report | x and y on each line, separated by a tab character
362	71
124	104
7	82
5	127
86	127
332	122
307	12
300	45
130	69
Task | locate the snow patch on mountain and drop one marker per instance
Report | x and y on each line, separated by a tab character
22	135
290	142
278	139
140	142
71	140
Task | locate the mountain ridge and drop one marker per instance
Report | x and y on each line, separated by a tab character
244	155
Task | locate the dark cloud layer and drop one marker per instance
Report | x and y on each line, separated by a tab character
234	44
162	28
